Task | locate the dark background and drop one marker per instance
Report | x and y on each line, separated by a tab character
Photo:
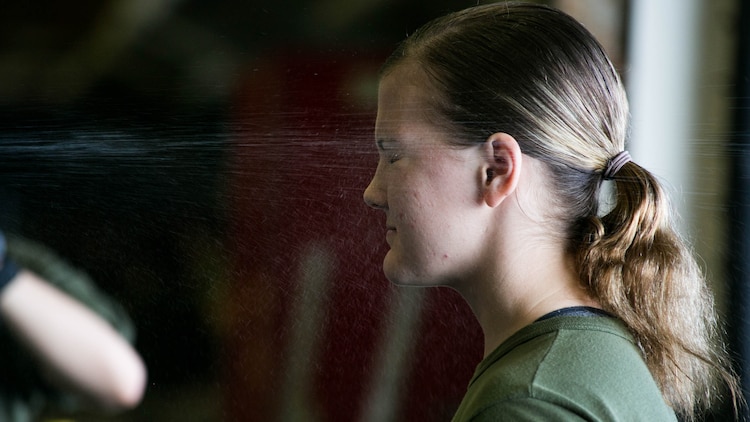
116	126
119	123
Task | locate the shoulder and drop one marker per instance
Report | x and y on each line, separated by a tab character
582	367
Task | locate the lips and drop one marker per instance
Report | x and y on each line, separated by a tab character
389	232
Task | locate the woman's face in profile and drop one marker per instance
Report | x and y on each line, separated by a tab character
427	189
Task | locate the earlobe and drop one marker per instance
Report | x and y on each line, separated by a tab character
502	168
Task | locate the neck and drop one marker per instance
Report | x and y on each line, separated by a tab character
522	289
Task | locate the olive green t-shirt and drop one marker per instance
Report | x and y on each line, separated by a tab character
567	368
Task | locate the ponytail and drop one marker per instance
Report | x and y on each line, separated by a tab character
633	261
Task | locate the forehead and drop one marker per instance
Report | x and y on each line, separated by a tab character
402	99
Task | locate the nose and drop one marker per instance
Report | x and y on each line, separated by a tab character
374	194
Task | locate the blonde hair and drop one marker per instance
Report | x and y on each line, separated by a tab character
537	74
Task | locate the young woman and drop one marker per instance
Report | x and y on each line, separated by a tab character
497	127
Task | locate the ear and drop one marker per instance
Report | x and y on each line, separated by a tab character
502	168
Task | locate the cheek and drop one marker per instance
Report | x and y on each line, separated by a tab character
422	229
412	209
428	200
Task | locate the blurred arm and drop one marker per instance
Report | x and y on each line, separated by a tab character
81	350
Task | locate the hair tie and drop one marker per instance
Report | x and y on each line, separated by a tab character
615	164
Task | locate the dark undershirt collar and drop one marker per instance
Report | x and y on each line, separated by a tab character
585	311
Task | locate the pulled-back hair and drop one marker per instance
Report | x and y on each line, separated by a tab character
535	73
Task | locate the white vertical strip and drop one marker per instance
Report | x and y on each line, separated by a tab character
394	356
661	80
305	323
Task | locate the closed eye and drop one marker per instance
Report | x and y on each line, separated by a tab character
389	150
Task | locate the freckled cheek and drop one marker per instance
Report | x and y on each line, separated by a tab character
408	205
412	217
405	221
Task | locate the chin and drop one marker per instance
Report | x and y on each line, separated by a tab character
400	276
397	276
403	272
